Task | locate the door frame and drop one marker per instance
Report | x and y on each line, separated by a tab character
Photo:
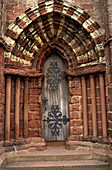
67	126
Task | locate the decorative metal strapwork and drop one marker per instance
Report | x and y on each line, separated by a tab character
55	120
54	75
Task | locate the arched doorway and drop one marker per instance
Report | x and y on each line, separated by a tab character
55	116
78	39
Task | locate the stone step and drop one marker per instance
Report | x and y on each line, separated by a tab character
59	165
29	158
51	154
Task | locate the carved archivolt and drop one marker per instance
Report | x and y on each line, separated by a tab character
54	27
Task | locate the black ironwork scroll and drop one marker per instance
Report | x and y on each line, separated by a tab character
54	75
55	120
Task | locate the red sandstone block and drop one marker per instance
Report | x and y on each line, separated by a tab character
71	123
75	91
90	116
97	82
39	132
31	132
1	88
90	131
34	107
19	9
109	115
100	124
11	16
1	136
12	126
35	91
12	134
90	124
89	100
12	108
2	107
87	6
34	99
88	92
100	132
110	106
2	117
75	99
2	98
70	84
89	108
76	107
110	125
32	115
97	92
32	83
75	123
75	115
78	131
32	124
1	60
12	117
38	123
77	84
71	114
1	127
21	115
98	108
71	130
70	107
98	100
21	124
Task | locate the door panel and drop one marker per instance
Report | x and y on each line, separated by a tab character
55	117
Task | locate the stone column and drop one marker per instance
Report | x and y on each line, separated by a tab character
103	105
26	109
2	93
84	97
93	98
17	102
8	104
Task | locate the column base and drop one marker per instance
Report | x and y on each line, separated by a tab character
74	142
33	143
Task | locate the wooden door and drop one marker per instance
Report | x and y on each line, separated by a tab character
55	117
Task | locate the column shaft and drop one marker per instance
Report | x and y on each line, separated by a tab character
103	105
93	97
26	109
84	96
8	105
17	102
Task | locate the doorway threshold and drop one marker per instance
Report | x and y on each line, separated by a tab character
56	143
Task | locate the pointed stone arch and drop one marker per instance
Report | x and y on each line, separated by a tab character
58	26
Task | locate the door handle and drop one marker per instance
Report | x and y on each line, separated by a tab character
45	100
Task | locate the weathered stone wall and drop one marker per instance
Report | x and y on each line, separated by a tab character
75	107
34	108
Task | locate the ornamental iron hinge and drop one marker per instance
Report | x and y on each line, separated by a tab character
55	120
54	75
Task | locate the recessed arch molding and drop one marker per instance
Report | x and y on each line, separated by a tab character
54	26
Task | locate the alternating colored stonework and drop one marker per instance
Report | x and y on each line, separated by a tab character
54	26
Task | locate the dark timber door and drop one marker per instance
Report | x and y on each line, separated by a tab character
55	117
